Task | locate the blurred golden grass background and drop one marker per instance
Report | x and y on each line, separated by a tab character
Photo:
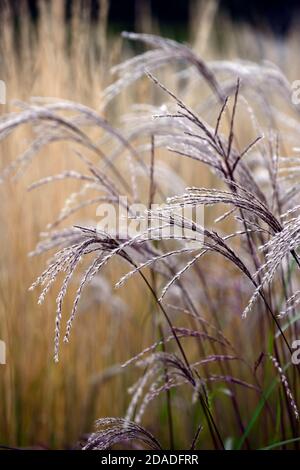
49	404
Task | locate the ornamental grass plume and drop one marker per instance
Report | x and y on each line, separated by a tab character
256	262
